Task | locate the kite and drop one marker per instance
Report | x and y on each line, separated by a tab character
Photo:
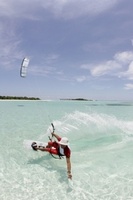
24	66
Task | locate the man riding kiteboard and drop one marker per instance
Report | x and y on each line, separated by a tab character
59	147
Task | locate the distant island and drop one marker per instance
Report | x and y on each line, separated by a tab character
78	99
36	98
18	98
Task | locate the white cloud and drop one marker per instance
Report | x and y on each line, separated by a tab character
19	9
129	73
42	70
128	86
80	78
50	58
102	68
9	44
33	10
105	68
124	57
6	8
67	9
116	67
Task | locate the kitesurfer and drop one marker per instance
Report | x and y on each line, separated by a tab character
60	148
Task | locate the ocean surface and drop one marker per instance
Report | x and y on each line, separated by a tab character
101	140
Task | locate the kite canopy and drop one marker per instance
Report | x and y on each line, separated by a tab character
24	65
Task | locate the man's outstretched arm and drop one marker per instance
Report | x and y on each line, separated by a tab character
68	161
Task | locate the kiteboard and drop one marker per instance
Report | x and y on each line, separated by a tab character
29	144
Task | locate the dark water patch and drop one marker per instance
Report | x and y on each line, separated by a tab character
96	105
118	104
20	105
111	104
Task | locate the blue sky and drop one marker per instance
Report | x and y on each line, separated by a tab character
77	48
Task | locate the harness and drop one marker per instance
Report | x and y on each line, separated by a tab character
60	156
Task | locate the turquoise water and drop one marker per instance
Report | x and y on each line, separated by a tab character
101	140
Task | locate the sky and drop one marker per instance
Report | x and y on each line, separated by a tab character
77	49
